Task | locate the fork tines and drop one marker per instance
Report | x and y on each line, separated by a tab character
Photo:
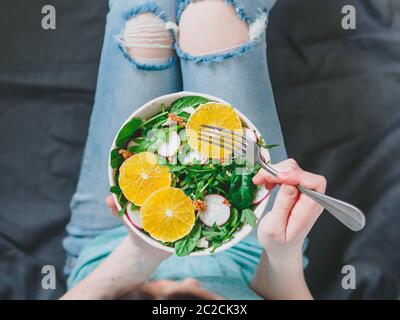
224	138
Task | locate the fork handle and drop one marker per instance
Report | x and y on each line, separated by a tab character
349	215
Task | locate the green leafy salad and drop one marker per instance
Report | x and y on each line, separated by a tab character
221	191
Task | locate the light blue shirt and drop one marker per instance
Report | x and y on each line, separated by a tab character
227	273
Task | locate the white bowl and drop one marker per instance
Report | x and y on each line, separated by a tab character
148	110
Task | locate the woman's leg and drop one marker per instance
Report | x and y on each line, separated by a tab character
137	65
223	53
222	46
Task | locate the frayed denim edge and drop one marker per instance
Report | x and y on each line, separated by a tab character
146	66
240	11
238	8
214	57
143	8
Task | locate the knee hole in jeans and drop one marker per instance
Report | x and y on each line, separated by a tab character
213	30
210	26
146	39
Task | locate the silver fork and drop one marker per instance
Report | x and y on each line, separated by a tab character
349	215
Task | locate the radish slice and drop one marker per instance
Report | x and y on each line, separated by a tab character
217	211
131	144
260	194
202	243
251	134
171	146
188	156
193	156
189	110
134	217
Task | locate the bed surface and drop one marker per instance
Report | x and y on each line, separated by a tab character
338	100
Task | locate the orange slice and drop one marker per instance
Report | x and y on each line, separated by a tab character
168	214
217	115
140	176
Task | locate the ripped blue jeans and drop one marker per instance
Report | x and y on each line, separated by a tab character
238	75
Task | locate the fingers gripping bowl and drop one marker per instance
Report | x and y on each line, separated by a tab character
177	193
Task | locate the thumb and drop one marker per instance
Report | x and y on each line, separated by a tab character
284	202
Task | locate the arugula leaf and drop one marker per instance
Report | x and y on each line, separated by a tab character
186	102
186	245
182	135
127	132
233	219
211	234
270	146
184	115
262	143
115	159
123	209
134	207
153	138
218	235
216	243
241	191
249	216
159	116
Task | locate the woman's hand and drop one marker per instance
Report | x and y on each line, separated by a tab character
282	231
127	267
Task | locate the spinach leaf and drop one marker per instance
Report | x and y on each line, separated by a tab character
186	245
116	190
123	209
127	132
121	198
140	145
249	216
186	102
115	159
241	190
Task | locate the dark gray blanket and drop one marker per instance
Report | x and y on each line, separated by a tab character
337	95
47	82
338	99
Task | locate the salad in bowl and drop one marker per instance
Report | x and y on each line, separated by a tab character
176	191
